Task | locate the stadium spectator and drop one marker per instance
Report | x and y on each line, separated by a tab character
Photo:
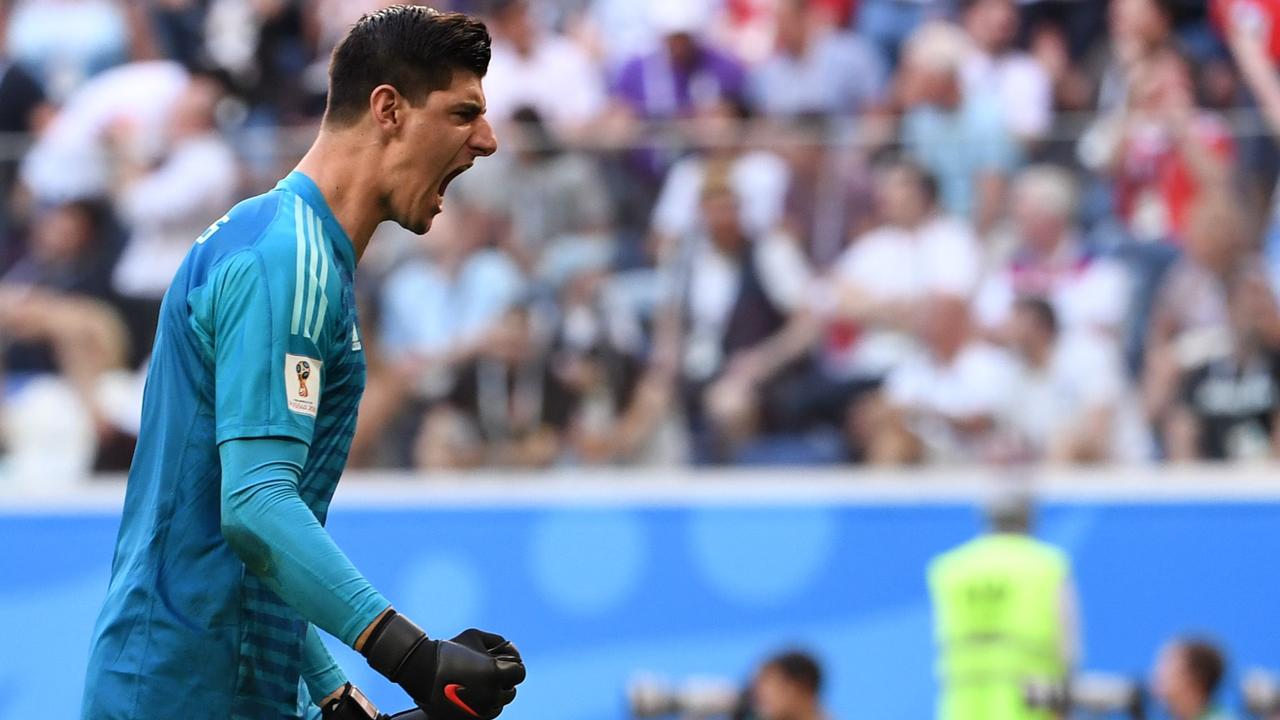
958	134
889	23
440	315
829	197
1251	47
130	105
1073	402
758	176
169	196
683	76
599	395
1137	30
815	68
1186	678
943	403
1051	259
1227	404
878	291
742	296
57	319
1022	86
23	109
1191	322
541	70
1166	151
788	687
684	73
64	42
886	278
539	193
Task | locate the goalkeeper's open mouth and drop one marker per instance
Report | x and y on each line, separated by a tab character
444	184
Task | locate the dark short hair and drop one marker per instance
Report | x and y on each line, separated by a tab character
413	48
1041	310
799	667
1205	663
925	180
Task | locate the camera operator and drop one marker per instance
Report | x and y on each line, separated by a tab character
787	687
1186	677
1005	618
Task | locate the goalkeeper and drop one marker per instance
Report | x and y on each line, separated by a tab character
223	573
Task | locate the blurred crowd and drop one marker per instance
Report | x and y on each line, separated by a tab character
717	232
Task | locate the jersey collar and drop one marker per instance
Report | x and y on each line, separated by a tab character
306	188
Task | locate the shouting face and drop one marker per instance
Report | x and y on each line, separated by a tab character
430	144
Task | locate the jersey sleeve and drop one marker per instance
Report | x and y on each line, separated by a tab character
267	377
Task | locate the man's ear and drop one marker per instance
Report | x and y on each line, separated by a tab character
386	106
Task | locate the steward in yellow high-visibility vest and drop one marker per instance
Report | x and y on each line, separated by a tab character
1004	620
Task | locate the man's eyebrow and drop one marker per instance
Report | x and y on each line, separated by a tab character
469	106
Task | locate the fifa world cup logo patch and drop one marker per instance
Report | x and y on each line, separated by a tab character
302	383
303	369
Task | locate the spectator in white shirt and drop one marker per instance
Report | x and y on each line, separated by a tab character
1021	84
883	282
944	403
542	70
1052	260
1073	405
760	177
130	104
169	200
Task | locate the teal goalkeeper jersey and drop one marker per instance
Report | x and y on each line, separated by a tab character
257	338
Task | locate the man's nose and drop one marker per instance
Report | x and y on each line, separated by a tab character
483	140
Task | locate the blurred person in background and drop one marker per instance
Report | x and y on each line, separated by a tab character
65	42
1227	405
1136	31
1074	404
829	196
743	333
957	132
540	195
23	110
943	403
534	68
64	338
1052	259
441	314
598	392
1191	323
758	176
787	686
1022	86
1253	35
816	68
168	196
683	74
1186	677
126	109
1005	615
889	23
1164	151
682	78
880	288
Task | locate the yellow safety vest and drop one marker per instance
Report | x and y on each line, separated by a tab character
997	607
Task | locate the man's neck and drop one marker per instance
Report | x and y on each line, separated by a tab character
341	166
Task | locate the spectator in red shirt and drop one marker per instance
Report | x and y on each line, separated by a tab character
1169	150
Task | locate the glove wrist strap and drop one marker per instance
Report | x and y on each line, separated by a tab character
391	642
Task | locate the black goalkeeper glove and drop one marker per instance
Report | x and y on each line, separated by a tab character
472	676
